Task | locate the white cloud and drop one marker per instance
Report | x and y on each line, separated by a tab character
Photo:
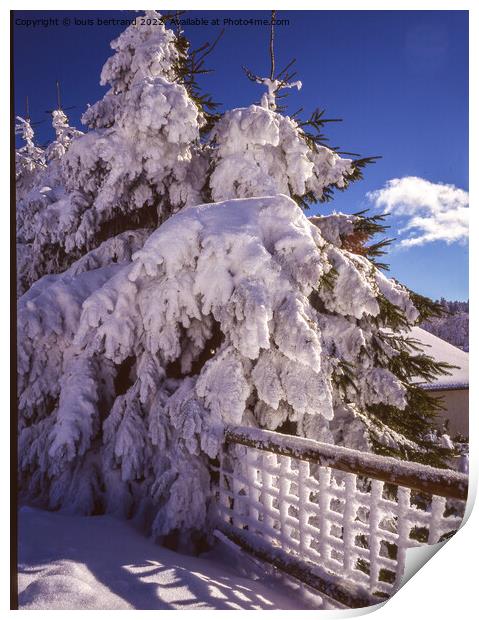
427	211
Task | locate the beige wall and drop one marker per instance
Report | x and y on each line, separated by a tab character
456	404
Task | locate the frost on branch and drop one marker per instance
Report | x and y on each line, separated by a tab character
231	313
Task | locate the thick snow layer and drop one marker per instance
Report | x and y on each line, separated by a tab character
130	368
442	351
140	153
68	562
259	152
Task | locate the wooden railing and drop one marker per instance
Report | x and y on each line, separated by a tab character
338	519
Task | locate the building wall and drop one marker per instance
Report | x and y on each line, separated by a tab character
456	404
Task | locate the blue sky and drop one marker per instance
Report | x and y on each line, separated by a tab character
398	79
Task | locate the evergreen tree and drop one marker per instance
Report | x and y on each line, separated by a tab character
64	135
41	204
29	158
402	430
260	151
30	161
141	160
133	360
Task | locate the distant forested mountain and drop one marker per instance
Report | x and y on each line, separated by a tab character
453	326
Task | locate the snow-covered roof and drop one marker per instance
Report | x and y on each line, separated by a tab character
442	351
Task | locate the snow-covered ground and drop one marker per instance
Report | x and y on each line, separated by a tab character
72	562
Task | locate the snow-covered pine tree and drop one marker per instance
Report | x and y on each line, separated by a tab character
29	158
259	151
139	164
243	311
64	136
40	206
141	159
30	162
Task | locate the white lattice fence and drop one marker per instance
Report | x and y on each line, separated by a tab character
345	517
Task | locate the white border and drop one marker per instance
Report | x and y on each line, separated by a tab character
447	586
